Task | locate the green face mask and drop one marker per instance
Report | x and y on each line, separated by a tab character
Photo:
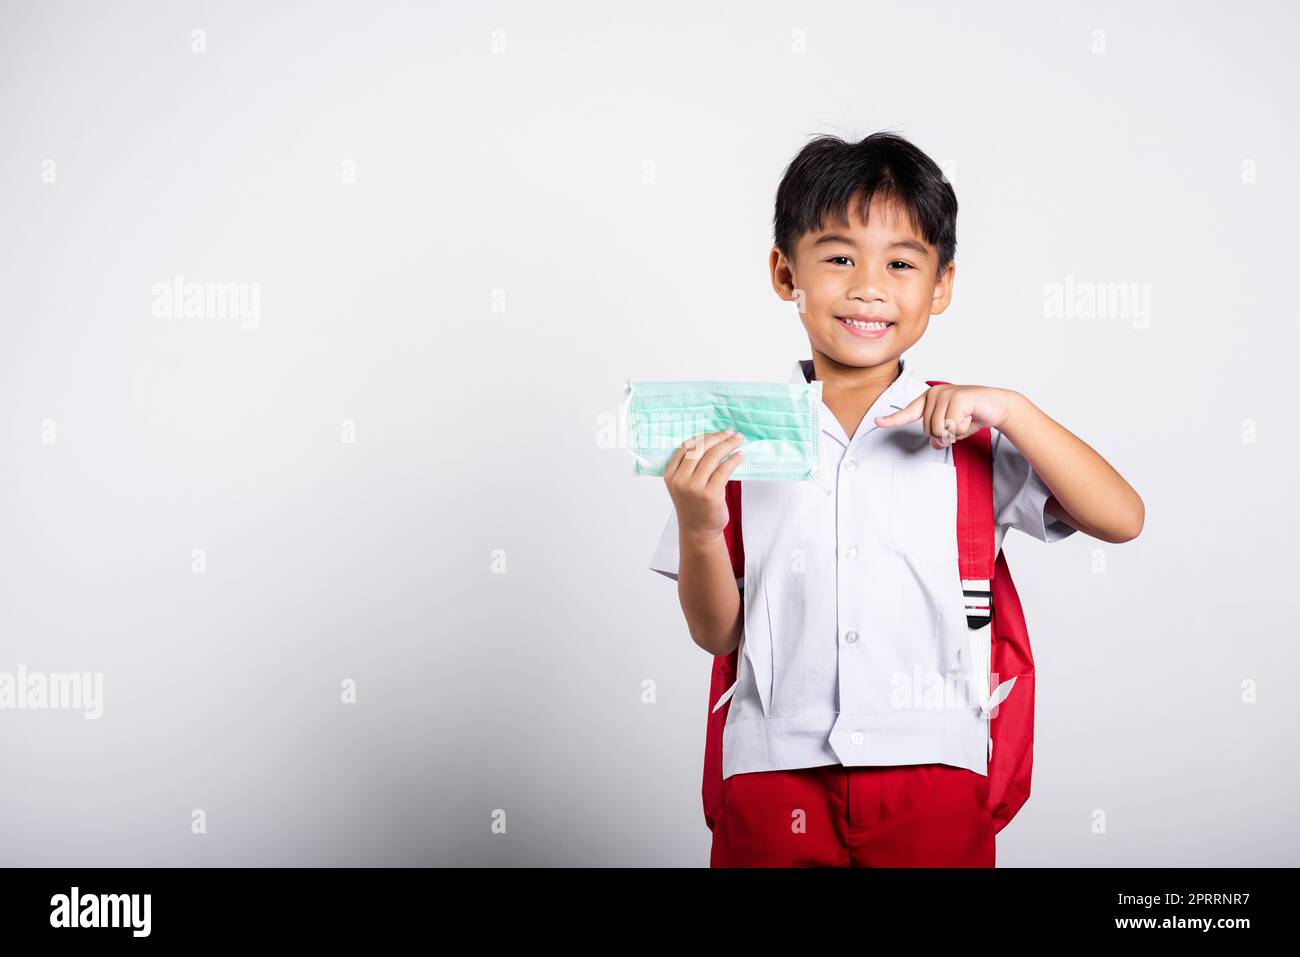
781	423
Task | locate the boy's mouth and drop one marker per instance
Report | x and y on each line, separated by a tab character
865	328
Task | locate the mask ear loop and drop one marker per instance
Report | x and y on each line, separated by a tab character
624	428
819	472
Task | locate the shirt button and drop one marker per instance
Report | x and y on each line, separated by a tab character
851	551
851	637
850	465
857	737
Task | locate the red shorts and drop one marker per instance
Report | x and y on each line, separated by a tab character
906	815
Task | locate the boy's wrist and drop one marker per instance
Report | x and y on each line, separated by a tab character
1018	405
703	540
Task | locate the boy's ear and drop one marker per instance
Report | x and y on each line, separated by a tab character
943	289
782	274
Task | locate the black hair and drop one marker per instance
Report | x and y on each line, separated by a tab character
828	173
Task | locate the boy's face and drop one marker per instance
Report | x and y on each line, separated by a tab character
883	271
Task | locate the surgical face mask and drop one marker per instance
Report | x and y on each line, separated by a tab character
781	423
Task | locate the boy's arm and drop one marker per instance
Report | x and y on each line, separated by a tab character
1087	493
706	588
693	548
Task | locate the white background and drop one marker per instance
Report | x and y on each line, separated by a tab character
608	173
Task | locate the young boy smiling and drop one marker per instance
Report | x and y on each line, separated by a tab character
849	591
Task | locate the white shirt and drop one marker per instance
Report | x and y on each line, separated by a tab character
855	619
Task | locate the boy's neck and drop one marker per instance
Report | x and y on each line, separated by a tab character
849	391
854	382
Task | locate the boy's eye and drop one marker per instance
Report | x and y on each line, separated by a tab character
833	258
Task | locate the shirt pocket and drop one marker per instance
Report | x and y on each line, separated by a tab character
923	508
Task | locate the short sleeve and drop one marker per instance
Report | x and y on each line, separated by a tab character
1020	495
666	558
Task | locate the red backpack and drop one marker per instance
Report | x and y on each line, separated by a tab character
993	614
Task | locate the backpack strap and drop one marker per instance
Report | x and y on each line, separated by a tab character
973	458
976	548
975	533
726	670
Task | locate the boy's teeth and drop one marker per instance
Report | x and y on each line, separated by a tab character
864	325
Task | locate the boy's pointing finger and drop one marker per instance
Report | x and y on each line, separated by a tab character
910	413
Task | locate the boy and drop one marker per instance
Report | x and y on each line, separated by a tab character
846	597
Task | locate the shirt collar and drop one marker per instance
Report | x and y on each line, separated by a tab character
896	396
